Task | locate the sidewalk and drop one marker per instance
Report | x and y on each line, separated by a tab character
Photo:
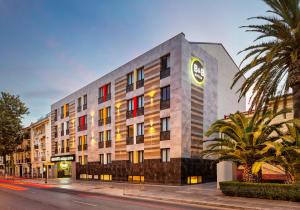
201	194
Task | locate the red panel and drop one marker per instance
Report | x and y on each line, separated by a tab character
82	122
105	92
135	105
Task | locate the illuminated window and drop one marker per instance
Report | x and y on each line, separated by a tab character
140	129
101	156
108	158
136	178
108	89
194	179
101	136
130	78
85	161
165	155
165	124
80	140
108	112
140	74
130	106
130	131
108	135
141	156
130	156
106	177
80	160
101	114
141	101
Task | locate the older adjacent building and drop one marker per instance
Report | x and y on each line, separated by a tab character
145	121
22	156
40	146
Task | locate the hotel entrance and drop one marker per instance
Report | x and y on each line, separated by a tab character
63	165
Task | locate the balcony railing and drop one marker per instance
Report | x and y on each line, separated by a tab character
164	104
102	99
36	146
27	160
139	84
67	113
129	140
108	120
62	133
108	143
62	150
101	144
140	111
84	147
140	139
164	135
67	131
78	108
56	151
62	116
79	147
67	149
129	88
82	128
84	107
129	114
100	122
164	73
55	135
43	158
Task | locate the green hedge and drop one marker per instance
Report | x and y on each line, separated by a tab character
261	190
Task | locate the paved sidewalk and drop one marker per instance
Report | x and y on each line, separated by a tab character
201	194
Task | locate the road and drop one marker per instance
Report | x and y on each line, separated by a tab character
20	196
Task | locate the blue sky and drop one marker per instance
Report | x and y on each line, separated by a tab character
50	48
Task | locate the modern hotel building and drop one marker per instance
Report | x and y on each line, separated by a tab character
145	121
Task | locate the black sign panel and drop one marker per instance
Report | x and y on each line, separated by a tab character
63	158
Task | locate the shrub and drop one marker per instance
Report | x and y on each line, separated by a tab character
261	190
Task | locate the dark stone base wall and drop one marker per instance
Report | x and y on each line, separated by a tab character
154	171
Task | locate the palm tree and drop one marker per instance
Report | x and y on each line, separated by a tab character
285	152
274	63
241	140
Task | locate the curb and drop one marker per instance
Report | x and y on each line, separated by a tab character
200	203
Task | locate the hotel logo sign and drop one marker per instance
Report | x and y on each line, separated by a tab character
63	158
197	70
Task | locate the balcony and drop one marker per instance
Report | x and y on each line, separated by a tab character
108	120
62	116
84	107
102	99
62	150
67	113
67	131
84	147
82	128
55	135
101	144
140	111
27	148
129	114
78	108
27	160
140	139
139	84
164	135
62	133
79	147
55	151
67	149
164	104
129	88
164	73
100	122
36	146
108	143
129	140
43	158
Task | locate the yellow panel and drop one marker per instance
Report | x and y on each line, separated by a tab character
134	78
65	110
136	157
142	178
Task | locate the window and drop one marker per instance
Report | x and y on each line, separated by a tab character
108	112
141	156
67	110
165	155
108	135
130	156
108	89
62	129
79	104
82	121
165	124
141	101
140	74
68	143
67	125
101	114
85	99
130	78
62	112
130	131
85	161
80	140
80	160
165	62
140	129
165	93
55	114
130	105
101	136
108	158
101	156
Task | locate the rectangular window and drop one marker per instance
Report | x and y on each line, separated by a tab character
130	131
67	110
130	156
108	135
165	124
79	102
130	105
62	129
101	158
165	62
141	156
85	160
84	139
62	144
108	89
62	112
80	140
140	74
165	93
108	112
80	160
130	78
141	101
165	155
101	114
101	92
140	129
55	114
108	158
101	136
85	99
68	143
68	125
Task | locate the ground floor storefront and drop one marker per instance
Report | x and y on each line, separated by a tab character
63	166
23	170
178	171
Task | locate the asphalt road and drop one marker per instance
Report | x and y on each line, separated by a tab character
18	197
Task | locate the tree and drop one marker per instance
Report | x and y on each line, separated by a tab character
285	152
274	63
241	140
12	110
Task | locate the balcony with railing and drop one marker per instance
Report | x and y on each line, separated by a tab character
36	146
67	149
67	131
82	147
129	114
101	144
164	73
62	150
55	151
84	107
78	108
100	122
108	143
139	84
164	135
129	87
129	140
108	120
62	133
140	139
82	128
103	99
164	104
140	111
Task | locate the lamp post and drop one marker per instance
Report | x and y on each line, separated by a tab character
46	175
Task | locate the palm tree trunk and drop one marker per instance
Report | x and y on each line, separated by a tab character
248	176
296	109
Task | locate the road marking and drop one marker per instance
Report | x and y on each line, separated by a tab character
84	203
12	187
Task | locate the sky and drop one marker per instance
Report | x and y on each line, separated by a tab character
50	48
